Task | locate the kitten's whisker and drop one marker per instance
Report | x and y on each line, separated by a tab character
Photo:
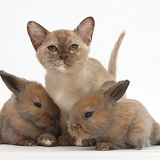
48	67
48	59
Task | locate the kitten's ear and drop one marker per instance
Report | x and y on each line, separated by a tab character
85	30
37	34
14	84
117	90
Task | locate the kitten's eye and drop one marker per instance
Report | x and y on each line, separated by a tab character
88	114
73	47
37	104
52	48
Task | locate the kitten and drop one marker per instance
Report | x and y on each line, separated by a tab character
70	72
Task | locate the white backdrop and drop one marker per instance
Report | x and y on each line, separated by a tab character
138	58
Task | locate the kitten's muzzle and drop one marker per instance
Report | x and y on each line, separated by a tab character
63	55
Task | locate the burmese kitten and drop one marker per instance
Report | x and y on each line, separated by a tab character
70	72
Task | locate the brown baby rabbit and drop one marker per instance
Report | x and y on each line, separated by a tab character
29	117
114	123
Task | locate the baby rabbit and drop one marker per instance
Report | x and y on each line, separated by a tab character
29	117
115	123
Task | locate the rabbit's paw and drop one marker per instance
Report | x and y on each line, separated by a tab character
1	140
88	142
27	142
106	146
47	140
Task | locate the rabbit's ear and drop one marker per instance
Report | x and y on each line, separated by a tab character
117	90
85	30
107	85
37	34
13	83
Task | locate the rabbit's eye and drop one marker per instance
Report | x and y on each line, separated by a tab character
37	104
88	114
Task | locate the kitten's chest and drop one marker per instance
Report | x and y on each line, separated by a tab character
64	91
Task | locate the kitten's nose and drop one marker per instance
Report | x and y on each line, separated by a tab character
63	55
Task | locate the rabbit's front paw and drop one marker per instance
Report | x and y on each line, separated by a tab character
105	146
47	140
88	142
1	140
27	142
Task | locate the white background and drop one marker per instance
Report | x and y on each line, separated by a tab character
139	55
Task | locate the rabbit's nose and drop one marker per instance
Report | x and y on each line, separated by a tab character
76	126
45	114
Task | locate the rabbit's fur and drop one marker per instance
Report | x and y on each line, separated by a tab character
29	117
115	123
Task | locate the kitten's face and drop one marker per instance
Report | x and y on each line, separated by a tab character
62	50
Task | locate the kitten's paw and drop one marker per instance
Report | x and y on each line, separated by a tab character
105	146
47	140
66	140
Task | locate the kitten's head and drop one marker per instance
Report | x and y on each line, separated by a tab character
62	50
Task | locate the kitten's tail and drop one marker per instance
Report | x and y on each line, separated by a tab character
112	67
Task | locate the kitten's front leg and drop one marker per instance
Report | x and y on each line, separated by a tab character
106	146
66	140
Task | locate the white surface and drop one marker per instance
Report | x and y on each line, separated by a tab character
138	58
72	153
